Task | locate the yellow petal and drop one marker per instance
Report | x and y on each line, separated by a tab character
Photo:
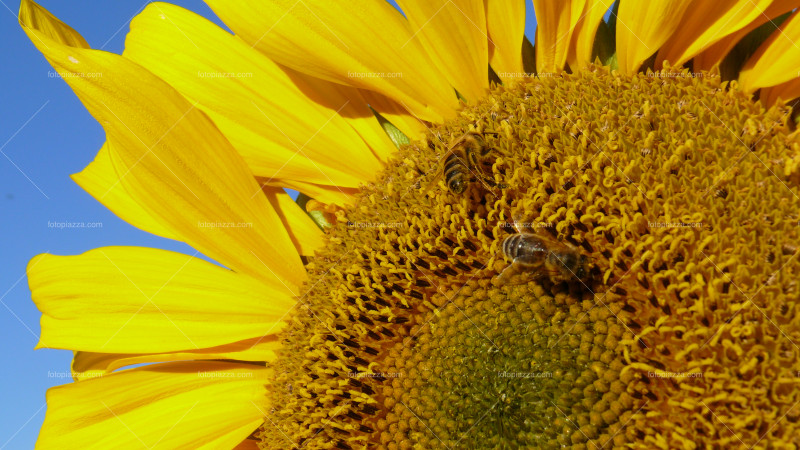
33	16
392	111
324	193
786	92
353	108
453	32
777	60
91	364
715	53
174	162
279	129
101	181
583	37
643	27
172	405
707	23
362	43
144	300
305	234
231	437
556	22
505	21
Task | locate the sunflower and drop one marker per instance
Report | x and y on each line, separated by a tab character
657	144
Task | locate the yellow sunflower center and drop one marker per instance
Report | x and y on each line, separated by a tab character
681	195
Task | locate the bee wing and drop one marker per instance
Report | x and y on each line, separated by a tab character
431	184
507	276
524	227
460	139
515	223
554	244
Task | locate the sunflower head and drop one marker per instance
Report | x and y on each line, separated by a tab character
443	353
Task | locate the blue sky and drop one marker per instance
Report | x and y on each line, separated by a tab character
45	135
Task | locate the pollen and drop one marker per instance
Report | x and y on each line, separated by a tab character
681	192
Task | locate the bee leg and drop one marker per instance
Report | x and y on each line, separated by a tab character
493	183
489	181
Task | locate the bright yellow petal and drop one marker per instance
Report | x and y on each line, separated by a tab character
34	17
453	32
777	60
174	162
91	365
556	22
786	92
277	127
643	27
144	300
707	23
324	193
583	37
354	109
505	21
715	53
305	234
392	111
361	43
172	405
231	437
101	181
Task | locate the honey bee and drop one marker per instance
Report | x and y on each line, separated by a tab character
464	163
542	256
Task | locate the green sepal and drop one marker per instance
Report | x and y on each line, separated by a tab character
459	96
612	61
604	46
317	216
398	137
528	56
494	78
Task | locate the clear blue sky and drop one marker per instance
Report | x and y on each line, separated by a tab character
45	135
